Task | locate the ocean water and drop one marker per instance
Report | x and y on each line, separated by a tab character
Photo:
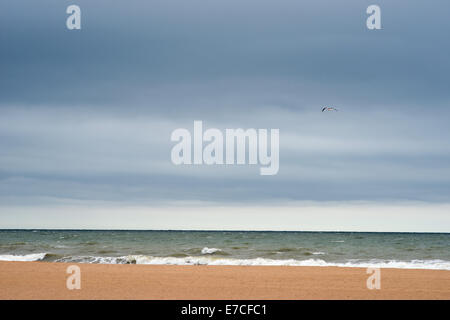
346	249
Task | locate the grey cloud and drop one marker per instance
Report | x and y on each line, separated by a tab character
87	115
153	49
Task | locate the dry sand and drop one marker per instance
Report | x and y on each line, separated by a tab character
42	280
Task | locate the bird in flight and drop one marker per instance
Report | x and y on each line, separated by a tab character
329	109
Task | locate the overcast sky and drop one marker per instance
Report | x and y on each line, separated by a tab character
86	115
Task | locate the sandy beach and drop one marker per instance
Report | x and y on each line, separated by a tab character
44	280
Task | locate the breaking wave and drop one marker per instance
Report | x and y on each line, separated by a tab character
207	250
209	260
26	257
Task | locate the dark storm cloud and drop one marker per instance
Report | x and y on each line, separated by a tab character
87	114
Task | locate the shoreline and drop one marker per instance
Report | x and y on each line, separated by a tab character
47	280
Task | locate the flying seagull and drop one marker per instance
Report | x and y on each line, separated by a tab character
329	109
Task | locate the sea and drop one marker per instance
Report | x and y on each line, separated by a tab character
252	248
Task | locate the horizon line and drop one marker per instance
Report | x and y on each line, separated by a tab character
218	230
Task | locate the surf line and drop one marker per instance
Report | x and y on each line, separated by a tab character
255	151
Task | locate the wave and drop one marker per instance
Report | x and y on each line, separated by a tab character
100	260
207	250
289	249
26	257
209	260
214	260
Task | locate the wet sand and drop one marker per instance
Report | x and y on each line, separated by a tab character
47	280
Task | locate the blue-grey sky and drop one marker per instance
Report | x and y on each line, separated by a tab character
86	115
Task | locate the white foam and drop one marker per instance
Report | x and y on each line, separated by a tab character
93	259
414	264
214	260
26	257
207	250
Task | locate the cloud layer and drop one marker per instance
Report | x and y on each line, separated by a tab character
87	115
